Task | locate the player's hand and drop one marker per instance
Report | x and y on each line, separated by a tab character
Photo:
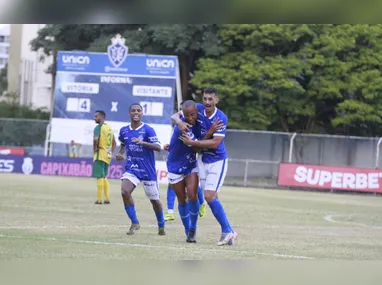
216	125
137	141
186	139
119	157
166	147
184	127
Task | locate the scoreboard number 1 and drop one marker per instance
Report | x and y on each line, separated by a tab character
152	108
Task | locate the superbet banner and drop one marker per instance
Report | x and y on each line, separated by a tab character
112	81
330	177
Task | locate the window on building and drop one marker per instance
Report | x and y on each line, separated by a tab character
2	39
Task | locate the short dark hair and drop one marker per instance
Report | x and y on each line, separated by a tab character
188	103
135	104
101	112
211	90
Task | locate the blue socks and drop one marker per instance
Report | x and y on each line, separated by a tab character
200	196
160	219
194	213
220	215
184	213
170	199
130	211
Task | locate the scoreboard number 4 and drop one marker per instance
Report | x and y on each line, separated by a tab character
152	108
78	105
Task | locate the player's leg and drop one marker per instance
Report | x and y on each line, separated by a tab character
202	203
170	204
129	182
98	172
202	182
192	183
215	178
106	185
179	186
152	192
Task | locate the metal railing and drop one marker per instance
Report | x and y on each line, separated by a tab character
253	155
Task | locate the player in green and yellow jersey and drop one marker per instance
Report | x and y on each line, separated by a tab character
103	145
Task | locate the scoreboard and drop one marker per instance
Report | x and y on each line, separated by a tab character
112	81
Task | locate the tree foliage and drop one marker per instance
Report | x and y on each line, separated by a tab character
303	78
294	78
21	125
3	80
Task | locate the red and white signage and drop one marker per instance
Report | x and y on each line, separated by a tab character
330	177
161	167
12	150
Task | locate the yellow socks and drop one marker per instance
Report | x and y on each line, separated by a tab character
100	187
106	189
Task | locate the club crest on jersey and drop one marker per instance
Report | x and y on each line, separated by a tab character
140	138
117	51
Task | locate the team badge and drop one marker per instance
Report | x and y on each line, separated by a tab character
117	51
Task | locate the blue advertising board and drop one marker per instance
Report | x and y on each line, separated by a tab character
112	81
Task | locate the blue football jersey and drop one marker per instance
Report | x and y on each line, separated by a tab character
213	155
181	158
140	160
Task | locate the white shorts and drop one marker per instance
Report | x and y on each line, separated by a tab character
151	187
176	178
212	175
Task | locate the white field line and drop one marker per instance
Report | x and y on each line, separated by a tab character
168	225
178	248
329	218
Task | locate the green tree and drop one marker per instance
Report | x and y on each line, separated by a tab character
3	80
21	125
303	78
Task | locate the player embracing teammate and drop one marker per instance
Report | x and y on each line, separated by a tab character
212	161
200	128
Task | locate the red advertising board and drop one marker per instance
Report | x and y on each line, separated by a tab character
330	177
12	150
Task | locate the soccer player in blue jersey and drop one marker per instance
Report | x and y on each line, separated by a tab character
182	171
169	216
139	141
212	164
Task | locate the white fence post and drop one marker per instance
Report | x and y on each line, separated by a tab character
377	154
291	147
47	139
246	172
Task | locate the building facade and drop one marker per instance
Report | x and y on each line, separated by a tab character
27	76
4	44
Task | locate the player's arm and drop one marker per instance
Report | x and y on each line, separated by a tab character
210	143
183	126
152	143
153	146
216	126
166	147
122	148
96	135
113	145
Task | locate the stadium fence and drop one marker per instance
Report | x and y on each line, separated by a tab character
254	156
